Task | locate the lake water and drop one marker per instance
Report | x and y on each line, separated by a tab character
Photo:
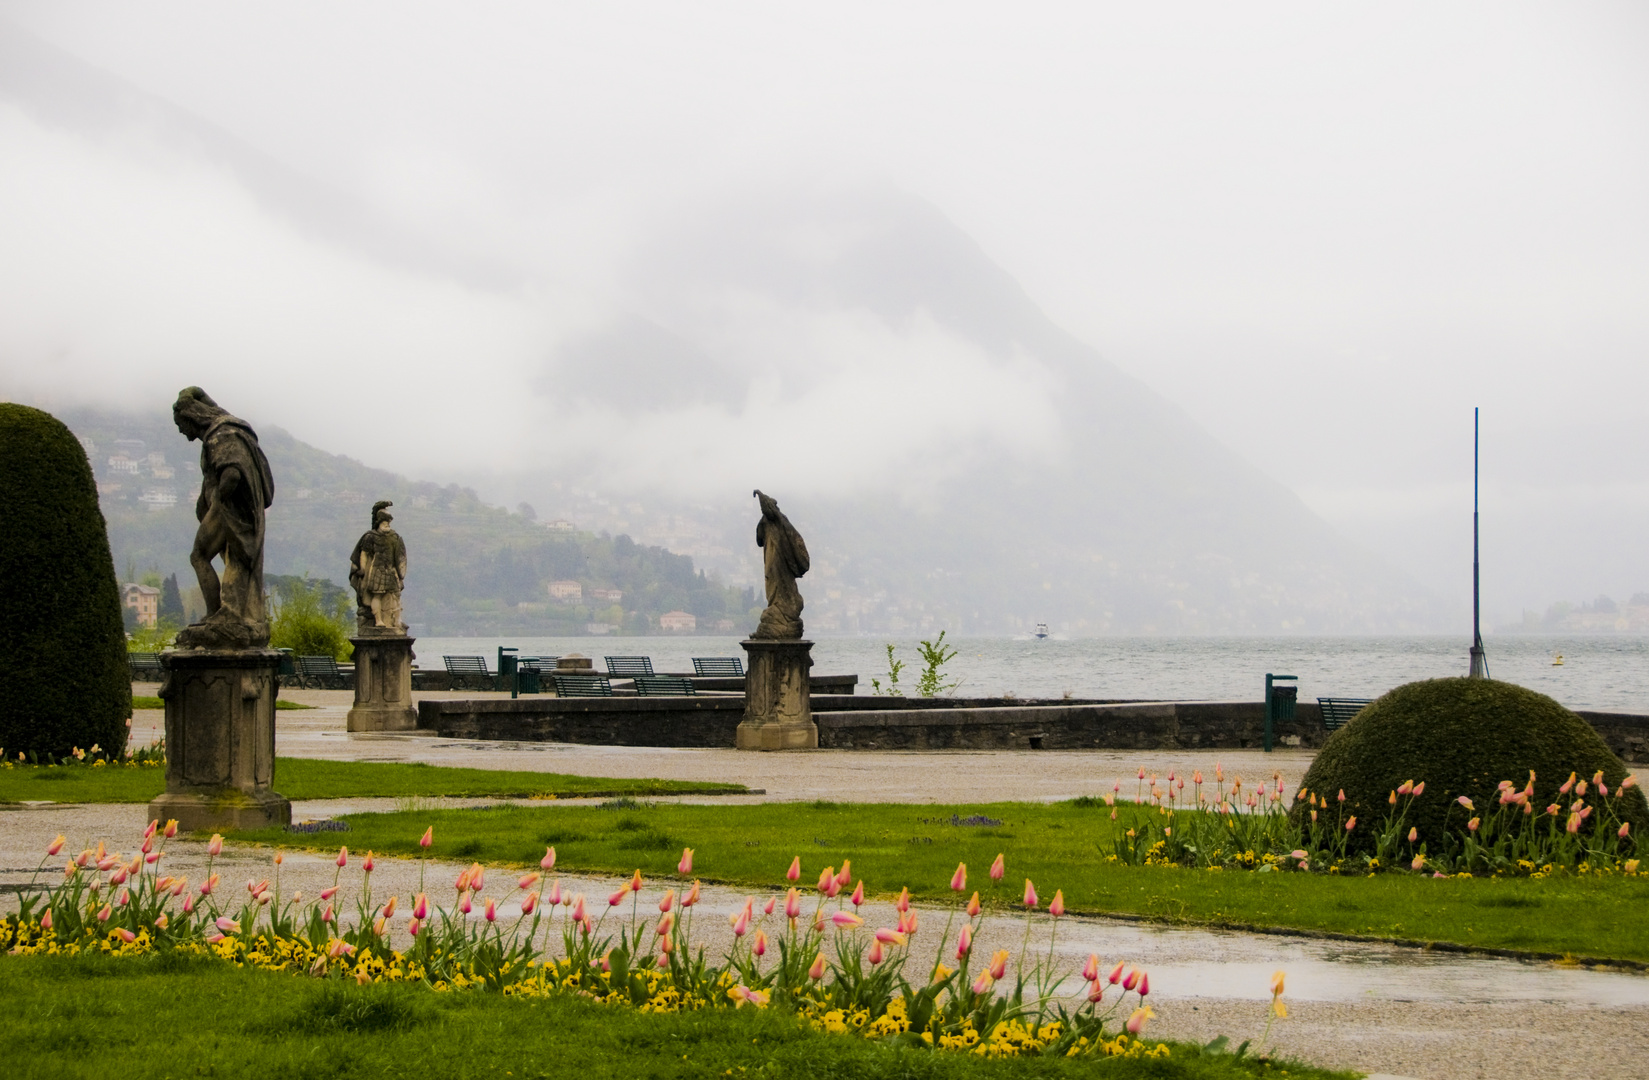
1599	672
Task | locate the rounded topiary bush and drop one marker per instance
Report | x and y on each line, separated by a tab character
64	679
1462	737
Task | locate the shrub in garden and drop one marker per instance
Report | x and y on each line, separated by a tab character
1462	737
62	638
311	618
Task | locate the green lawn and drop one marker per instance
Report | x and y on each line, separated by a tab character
171	1015
1058	846
310	778
140	701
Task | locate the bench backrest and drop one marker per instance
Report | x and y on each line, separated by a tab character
629	665
466	665
317	665
1337	711
538	663
582	686
144	661
722	666
657	685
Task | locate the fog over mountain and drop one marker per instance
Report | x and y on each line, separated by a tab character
561	262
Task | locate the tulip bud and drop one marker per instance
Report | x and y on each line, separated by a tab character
57	845
160	923
692	896
983	984
998	868
973	907
816	972
858	896
227	925
1030	894
491	912
1351	822
964	943
1132	980
665	924
367	865
428	838
767	908
959	880
214	847
1471	826
759	946
999	964
414	926
846	918
527	881
792	904
327	894
685	866
795	871
1625	828
1057	908
1116	973
389	909
420	908
875	957
547	863
1418	864
826	878
1414	834
343	857
618	896
1419	789
46	919
1090	970
171	828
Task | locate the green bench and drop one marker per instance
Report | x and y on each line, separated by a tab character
468	673
664	685
320	673
1338	711
629	666
145	666
721	667
582	686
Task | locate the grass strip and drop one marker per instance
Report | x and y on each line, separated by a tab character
141	701
1057	846
173	1015
312	778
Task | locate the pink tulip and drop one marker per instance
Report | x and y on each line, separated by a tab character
327	916
378	926
795	871
547	863
759	946
999	964
973	907
1030	894
1090	970
428	838
46	919
1419	789
1414	834
171	828
741	922
618	896
214	847
998	868
578	912
1351	822
903	903
816	972
964	943
126	935
491	912
890	937
160	923
527	881
1630	781
1137	1020
845	874
1625	828
57	845
327	894
858	896
1132	980
910	923
959	880
1057	908
767	908
833	888
692	896
463	880
846	918
667	901
1406	788
666	923
666	946
414	926
1418	864
1116	973
189	904
529	904
227	925
148	846
478	878
213	939
1096	991
1574	823
1567	784
685	866
875	957
792	904
554	897
983	984
420	907
1144	986
1471	826
465	903
827	878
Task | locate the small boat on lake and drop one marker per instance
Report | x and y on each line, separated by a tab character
1041	630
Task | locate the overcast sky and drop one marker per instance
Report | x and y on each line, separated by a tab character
1325	231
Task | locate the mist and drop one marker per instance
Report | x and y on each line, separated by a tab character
673	254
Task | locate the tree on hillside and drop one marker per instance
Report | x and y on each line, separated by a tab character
171	602
62	640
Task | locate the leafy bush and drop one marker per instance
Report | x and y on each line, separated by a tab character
309	622
62	634
1461	737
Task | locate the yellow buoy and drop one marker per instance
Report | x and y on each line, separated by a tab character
1557	661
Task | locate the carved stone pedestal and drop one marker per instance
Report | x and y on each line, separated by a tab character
383	684
778	714
220	740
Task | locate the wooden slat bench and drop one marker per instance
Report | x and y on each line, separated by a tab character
1337	712
719	666
468	672
320	673
582	686
663	686
629	666
145	666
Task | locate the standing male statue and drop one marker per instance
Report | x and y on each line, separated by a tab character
784	559
377	570
236	488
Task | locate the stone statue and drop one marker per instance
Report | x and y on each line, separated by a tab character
377	570
236	488
784	559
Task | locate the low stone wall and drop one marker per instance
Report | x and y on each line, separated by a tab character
1626	733
629	721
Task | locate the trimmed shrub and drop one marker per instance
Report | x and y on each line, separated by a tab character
1462	737
62	638
311	618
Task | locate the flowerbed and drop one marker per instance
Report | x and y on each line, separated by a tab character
810	952
1216	827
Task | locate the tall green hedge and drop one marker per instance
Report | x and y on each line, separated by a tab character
64	679
1462	737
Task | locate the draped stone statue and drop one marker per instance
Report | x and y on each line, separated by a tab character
784	559
378	570
236	487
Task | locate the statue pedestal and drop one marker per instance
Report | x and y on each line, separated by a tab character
220	740
383	684
778	714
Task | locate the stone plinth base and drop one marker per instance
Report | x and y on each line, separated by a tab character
220	740
383	684
778	714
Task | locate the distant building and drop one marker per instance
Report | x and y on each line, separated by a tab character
120	463
559	525
144	600
157	498
677	620
599	628
566	590
610	595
